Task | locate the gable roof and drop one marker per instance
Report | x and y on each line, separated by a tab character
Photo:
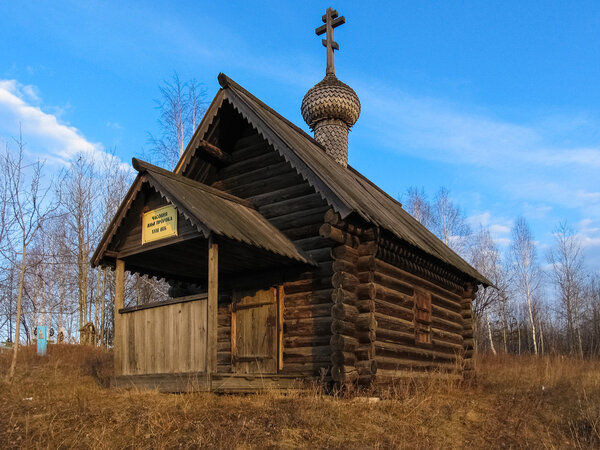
209	210
344	188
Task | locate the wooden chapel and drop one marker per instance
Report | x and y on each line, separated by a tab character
286	264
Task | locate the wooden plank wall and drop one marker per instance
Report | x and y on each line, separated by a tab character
165	339
258	173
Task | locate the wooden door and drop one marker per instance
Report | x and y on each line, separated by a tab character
256	331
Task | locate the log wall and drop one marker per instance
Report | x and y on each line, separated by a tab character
397	348
259	174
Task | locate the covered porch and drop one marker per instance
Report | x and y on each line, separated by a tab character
222	330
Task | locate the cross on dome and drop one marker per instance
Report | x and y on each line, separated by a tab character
331	21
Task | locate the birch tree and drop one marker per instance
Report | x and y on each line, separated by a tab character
417	205
30	208
567	273
180	107
526	270
448	222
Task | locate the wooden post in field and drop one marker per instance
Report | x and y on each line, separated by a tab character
119	303
213	299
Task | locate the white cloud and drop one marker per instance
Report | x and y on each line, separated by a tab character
45	135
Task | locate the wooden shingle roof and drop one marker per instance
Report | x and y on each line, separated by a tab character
208	209
344	188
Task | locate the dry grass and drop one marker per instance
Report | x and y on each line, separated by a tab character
61	401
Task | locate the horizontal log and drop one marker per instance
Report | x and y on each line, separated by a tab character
312	242
224	357
400	337
365	306
340	295
275	181
447	336
304	203
307	285
249	164
278	195
390	309
294	359
343	358
366	321
439	311
366	263
365	351
319	255
446	324
311	368
447	346
305	341
212	152
260	173
468	343
366	291
343	374
344	252
308	298
394	323
341	265
394	297
298	218
306	352
344	328
389	363
320	326
413	280
344	280
224	346
446	303
408	351
333	218
304	231
367	248
307	311
335	234
368	367
365	336
393	283
343	343
342	311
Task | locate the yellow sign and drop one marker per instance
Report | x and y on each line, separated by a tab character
159	224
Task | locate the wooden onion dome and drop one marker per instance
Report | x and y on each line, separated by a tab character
331	108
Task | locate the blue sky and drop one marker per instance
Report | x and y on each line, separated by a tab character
497	101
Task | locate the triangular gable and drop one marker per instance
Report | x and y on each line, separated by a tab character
208	209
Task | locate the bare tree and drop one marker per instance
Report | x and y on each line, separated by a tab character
180	107
449	223
28	201
417	205
526	270
79	193
566	259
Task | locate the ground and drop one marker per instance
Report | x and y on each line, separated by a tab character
61	400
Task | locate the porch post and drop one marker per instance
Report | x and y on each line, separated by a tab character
119	303
213	304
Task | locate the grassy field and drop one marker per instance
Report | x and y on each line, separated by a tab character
62	401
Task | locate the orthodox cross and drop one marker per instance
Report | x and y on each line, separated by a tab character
331	21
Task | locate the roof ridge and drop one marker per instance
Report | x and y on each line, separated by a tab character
144	166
